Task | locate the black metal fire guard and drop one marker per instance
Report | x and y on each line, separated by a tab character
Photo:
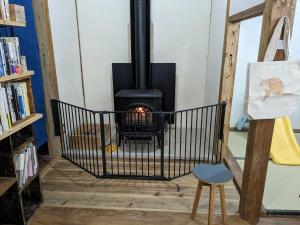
96	142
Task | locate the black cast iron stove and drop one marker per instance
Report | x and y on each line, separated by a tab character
142	87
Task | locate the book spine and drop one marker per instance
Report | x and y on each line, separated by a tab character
14	100
11	104
7	56
30	163
3	111
8	108
2	73
18	55
25	167
21	102
3	58
1	128
3	12
12	58
25	94
20	163
35	159
17	105
6	9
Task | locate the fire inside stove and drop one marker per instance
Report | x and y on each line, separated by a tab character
139	115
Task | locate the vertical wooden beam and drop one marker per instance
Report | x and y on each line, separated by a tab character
261	131
275	9
44	35
231	41
255	169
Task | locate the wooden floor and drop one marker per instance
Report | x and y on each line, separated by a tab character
73	197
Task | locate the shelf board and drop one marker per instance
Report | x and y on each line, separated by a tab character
11	23
25	142
16	76
6	183
28	182
20	125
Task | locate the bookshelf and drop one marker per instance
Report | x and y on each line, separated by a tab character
18	202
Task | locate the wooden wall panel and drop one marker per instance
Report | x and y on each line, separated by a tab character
228	72
48	68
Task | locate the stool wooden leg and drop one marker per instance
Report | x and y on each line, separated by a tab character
196	201
223	206
211	205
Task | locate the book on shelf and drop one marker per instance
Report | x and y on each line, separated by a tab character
17	13
10	56
23	63
14	104
4	10
26	164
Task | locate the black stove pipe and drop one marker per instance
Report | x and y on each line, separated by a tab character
140	42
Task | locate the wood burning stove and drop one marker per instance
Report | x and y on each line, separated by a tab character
142	88
136	118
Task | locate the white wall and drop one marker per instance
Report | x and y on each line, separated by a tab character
237	6
295	55
66	51
217	29
250	31
105	40
180	35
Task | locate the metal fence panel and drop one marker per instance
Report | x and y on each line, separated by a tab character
147	145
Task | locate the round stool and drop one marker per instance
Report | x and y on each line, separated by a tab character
212	176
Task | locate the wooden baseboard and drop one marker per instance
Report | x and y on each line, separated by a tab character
235	168
246	130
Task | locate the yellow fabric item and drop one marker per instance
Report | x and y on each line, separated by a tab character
111	148
285	149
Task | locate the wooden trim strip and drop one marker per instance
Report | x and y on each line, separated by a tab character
11	23
15	77
255	11
235	168
246	129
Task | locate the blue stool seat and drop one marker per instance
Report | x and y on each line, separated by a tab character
213	174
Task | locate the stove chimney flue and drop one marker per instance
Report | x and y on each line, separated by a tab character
140	42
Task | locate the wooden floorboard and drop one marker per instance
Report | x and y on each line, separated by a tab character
67	186
73	216
74	197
